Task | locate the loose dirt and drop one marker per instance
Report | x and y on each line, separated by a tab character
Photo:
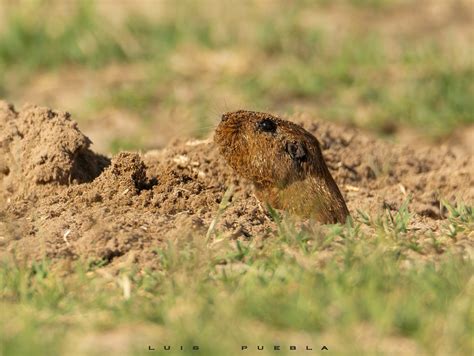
62	201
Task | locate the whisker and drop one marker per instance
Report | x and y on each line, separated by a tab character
226	106
215	111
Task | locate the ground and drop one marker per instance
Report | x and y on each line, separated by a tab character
121	227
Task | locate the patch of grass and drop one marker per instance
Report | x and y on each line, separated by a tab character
461	219
376	4
325	284
125	144
136	98
29	42
330	74
3	90
438	101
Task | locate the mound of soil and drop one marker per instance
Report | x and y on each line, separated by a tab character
62	201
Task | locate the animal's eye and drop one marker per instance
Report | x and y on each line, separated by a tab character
267	125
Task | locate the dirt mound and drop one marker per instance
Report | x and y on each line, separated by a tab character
375	174
42	146
63	201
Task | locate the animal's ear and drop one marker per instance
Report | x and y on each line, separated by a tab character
296	150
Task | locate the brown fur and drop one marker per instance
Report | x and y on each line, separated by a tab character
285	164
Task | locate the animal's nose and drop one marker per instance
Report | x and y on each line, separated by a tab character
224	116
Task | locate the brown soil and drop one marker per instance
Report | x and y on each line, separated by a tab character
60	200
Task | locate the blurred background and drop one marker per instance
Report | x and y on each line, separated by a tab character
136	74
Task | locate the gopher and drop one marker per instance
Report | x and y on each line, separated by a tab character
284	162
